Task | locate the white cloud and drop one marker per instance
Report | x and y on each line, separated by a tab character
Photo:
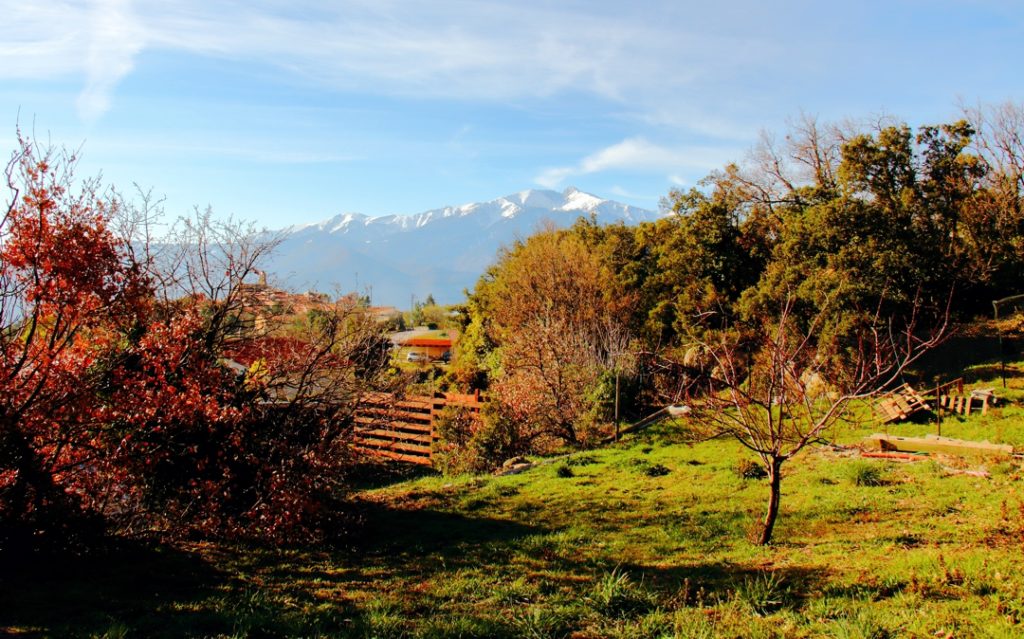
42	39
58	38
115	38
621	192
709	68
551	178
249	149
638	154
486	50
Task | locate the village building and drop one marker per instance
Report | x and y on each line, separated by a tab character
382	314
431	347
263	301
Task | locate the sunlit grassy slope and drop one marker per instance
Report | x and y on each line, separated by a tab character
646	538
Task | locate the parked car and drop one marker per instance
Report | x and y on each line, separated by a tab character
416	356
445	357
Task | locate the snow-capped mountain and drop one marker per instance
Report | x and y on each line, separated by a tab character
439	252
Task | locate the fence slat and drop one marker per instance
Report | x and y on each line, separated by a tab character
403	429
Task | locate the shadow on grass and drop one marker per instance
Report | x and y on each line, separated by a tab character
91	594
426	568
149	590
992	373
421	542
137	589
372	474
765	589
960	352
430	531
427	543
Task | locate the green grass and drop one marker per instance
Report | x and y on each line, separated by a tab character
646	538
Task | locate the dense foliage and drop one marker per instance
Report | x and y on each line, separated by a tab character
842	236
132	395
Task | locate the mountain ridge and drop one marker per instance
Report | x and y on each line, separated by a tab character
441	251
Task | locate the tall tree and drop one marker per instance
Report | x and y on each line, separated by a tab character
118	396
994	220
553	312
68	293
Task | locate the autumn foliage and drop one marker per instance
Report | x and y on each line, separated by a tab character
847	235
67	294
118	405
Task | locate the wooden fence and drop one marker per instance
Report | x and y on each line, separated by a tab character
403	428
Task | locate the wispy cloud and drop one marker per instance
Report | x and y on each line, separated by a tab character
261	151
487	50
678	180
621	192
42	39
115	38
638	154
98	40
483	50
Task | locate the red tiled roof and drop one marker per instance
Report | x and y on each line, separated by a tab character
428	341
288	352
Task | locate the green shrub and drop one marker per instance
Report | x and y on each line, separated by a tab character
764	592
1003	468
540	623
657	470
748	469
865	474
469	443
864	625
581	460
616	595
564	470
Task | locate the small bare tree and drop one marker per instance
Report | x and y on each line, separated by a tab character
782	389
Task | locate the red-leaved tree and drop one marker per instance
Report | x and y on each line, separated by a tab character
67	293
121	395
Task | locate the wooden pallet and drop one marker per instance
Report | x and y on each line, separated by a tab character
964	404
900	404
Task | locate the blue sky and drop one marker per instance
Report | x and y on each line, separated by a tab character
284	111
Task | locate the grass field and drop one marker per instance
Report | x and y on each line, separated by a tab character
646	538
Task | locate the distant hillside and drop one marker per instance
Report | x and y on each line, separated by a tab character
441	251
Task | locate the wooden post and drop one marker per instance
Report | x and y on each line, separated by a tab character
616	404
1002	354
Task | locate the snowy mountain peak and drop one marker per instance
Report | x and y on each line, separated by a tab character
343	221
577	200
441	251
339	222
571	199
535	199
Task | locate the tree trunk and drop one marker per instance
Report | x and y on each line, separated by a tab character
775	487
34	486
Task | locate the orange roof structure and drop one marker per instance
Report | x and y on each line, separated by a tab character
428	341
